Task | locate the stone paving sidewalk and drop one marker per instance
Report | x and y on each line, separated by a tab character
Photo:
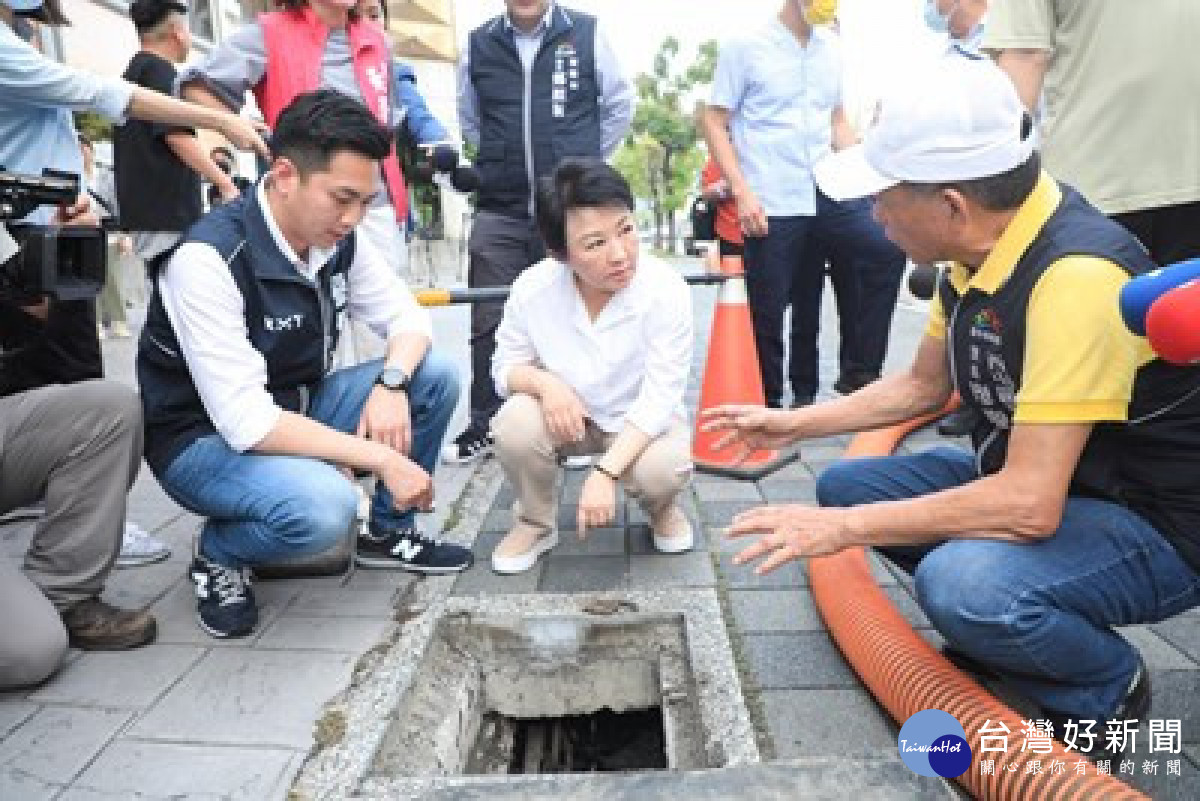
191	716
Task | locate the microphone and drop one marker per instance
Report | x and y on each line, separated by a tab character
1139	294
1173	324
465	179
445	158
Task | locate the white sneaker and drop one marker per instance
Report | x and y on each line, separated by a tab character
522	547
139	547
581	462
119	330
672	531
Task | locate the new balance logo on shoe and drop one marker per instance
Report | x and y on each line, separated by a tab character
407	550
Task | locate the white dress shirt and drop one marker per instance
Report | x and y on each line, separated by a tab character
629	365
207	312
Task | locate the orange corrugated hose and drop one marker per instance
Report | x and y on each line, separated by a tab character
906	675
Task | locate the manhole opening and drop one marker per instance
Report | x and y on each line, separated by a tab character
599	742
549	694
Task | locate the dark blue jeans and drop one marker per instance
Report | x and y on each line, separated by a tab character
788	267
265	508
1043	611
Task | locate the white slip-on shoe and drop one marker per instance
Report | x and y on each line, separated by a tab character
672	532
522	547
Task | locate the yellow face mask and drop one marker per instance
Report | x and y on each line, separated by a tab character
821	12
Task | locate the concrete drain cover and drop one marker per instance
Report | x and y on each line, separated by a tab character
475	690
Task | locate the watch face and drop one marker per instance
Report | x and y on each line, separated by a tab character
393	378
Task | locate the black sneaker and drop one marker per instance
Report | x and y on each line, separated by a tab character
474	443
1134	706
225	600
849	383
409	549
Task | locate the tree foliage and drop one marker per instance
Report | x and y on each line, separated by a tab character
662	155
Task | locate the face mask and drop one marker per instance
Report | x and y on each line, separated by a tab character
821	12
936	20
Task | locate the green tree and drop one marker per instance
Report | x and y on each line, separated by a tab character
662	155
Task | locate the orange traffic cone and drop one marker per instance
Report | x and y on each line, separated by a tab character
731	375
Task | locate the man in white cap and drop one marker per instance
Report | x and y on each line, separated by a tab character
1076	511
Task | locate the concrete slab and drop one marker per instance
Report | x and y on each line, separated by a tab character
345	635
877	779
1158	653
54	745
14	712
764	610
792	574
343	602
827	722
129	768
259	697
1183	633
798	491
130	679
584	573
796	661
722	489
661	571
604	541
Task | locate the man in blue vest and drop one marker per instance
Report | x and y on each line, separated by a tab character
245	423
536	85
1077	511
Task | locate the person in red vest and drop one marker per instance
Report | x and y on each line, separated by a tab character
715	188
312	44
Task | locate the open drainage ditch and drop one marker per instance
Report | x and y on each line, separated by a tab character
481	692
548	695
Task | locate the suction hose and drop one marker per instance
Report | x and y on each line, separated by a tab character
906	675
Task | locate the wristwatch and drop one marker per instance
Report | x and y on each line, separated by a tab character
393	378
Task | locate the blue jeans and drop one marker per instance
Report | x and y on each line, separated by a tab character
265	508
1042	612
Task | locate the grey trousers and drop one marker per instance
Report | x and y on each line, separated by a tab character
500	249
76	449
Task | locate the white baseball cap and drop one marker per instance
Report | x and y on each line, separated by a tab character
957	118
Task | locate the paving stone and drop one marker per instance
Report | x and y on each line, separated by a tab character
259	697
16	785
176	614
584	573
605	541
13	712
799	660
54	745
661	571
137	588
1158	653
640	540
831	722
480	579
792	471
906	606
348	635
798	491
367	578
757	611
344	602
791	574
1177	697
1159	785
131	679
721	513
497	519
128	768
1181	632
711	488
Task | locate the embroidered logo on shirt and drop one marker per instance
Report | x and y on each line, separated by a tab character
290	322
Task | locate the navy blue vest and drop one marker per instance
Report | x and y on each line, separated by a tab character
1151	463
293	322
563	106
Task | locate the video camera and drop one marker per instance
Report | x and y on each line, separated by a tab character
421	162
64	262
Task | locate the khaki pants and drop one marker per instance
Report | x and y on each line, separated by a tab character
530	461
76	449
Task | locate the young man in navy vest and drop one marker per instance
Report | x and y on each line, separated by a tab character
245	423
1077	512
536	84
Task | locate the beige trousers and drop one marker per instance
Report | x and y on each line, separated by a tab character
530	461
